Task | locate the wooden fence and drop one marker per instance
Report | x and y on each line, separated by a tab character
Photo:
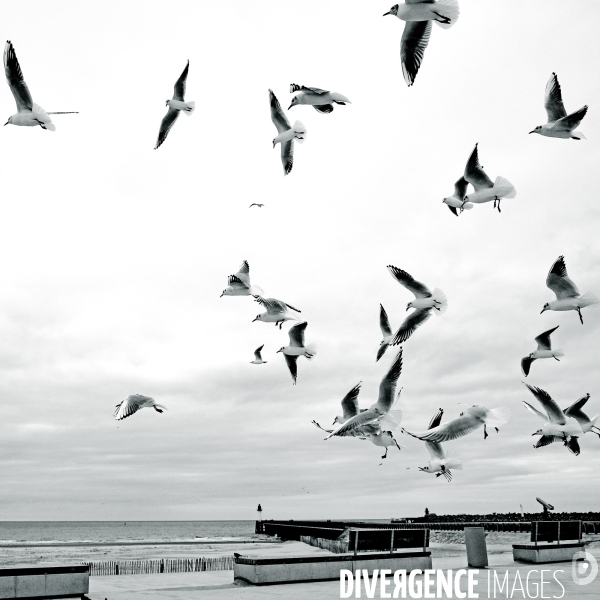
165	565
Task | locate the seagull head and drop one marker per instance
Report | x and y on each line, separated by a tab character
280	349
9	121
538	432
274	142
409	306
294	102
546	307
536	130
392	11
226	292
426	469
257	318
167	102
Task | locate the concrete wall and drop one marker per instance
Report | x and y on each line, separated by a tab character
546	553
35	583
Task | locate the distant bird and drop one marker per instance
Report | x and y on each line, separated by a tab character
277	311
239	284
258	358
584	421
321	100
425	302
559	125
567	294
256	204
287	133
419	14
376	413
439	463
471	419
176	105
386	332
557	424
457	203
135	402
485	190
544	350
297	348
28	113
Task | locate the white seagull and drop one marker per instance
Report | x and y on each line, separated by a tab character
425	302
176	105
239	284
277	311
386	332
418	15
485	190
560	124
557	424
258	358
544	350
321	100
287	133
135	402
28	113
471	419
297	348
457	203
567	294
376	412
584	421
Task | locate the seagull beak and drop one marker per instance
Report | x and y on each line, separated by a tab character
290	106
254	319
6	123
532	131
278	351
543	309
389	12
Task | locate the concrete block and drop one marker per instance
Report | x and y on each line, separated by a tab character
67	584
29	586
8	587
546	553
476	547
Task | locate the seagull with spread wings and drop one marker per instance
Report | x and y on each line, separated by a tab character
457	203
286	133
277	311
239	284
176	105
135	402
556	423
297	348
321	100
560	124
425	303
386	332
28	113
584	421
419	15
567	294
544	350
258	357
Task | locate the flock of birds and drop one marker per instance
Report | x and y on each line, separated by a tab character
378	422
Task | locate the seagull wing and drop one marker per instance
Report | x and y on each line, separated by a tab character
384	322
179	88
559	282
452	209
287	156
350	402
257	355
296	334
277	115
403	278
437	419
573	446
435	450
415	38
130	405
292	365
387	387
544	440
391	420
366	417
460	188
14	76
323	108
451	430
314	90
290	306
571	121
272	305
526	364
553	100
166	124
543	340
535	411
575	411
555	414
414	320
321	428
235	281
244	273
475	174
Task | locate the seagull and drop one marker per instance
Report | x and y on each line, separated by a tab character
544	350
567	294
239	284
376	412
439	463
256	204
419	14
386	331
424	303
133	403
457	200
176	105
258	358
584	421
321	100
559	125
386	440
287	133
28	113
557	424
471	419
297	348
277	311
485	190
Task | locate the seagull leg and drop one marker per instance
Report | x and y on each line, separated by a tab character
485	433
554	357
580	317
442	19
385	455
497	430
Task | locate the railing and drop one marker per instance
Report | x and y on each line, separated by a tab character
164	565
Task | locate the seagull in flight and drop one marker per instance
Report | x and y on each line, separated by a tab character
258	358
239	284
418	15
256	204
584	421
544	350
287	133
457	203
567	294
135	402
297	348
176	105
321	100
425	302
28	113
560	124
386	332
277	311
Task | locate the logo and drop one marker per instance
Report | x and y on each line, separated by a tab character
584	568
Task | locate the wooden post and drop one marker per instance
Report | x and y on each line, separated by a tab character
558	541
392	542
355	541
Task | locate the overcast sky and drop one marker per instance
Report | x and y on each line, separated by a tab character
114	256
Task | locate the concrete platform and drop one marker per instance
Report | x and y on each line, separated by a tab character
546	553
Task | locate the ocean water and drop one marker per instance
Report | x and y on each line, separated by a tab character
105	532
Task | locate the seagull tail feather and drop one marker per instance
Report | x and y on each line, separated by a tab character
299	132
441	301
448	9
496	417
577	135
311	349
588	298
189	108
504	188
256	290
467	205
